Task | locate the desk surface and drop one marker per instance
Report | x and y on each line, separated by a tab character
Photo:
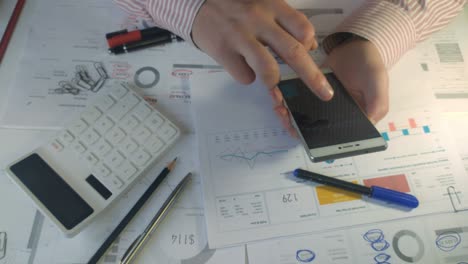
15	142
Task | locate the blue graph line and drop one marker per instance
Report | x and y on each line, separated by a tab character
250	160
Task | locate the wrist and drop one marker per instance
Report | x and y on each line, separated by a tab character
339	39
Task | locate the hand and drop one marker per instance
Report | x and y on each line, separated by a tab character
235	33
359	66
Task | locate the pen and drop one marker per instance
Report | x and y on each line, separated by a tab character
122	37
129	47
121	226
140	241
5	39
375	192
116	33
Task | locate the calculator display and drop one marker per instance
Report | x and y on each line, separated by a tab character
52	191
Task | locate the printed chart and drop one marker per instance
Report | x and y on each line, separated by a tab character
266	153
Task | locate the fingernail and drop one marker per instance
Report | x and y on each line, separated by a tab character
326	93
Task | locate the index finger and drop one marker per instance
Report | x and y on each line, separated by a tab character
296	56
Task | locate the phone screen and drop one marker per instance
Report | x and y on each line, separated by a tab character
322	124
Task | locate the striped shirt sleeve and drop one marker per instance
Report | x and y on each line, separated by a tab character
395	26
176	16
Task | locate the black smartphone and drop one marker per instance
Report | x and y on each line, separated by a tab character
329	130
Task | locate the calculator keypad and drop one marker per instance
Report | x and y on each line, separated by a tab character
118	137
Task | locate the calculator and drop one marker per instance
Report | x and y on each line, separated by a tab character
95	158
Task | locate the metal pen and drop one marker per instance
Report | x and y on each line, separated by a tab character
141	239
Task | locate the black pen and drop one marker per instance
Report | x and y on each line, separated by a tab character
133	46
121	226
375	192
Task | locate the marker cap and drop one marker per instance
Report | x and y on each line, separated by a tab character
392	196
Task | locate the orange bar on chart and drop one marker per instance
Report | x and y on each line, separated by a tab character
394	182
412	123
392	126
331	195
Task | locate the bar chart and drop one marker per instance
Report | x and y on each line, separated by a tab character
411	127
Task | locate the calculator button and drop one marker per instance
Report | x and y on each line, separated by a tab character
129	101
140	157
154	144
78	147
90	136
66	137
91	158
128	146
78	126
167	131
119	91
154	122
91	114
57	146
123	106
117	112
114	159
127	171
103	124
141	111
102	147
113	182
115	136
101	170
141	134
104	103
128	123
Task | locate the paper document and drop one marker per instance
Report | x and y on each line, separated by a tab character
65	65
243	150
181	238
458	125
18	223
440	239
445	56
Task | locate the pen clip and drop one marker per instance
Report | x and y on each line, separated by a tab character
130	248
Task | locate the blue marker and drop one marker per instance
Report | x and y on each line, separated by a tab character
375	192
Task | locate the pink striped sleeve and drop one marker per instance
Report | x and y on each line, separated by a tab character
395	26
174	15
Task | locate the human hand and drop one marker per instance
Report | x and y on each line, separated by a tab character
235	33
359	66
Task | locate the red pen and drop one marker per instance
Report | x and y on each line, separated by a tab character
124	37
10	27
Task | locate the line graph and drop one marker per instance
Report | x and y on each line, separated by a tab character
265	151
249	157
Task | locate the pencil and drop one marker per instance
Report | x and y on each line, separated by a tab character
121	226
10	27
